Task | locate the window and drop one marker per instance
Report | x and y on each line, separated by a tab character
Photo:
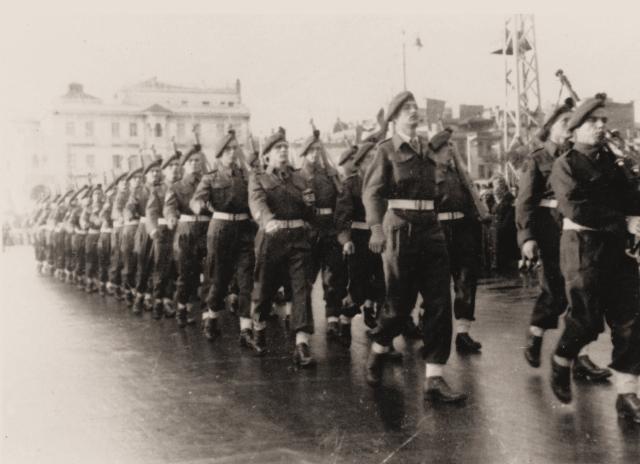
72	163
117	162
206	103
230	103
133	129
134	162
91	162
158	130
88	128
71	128
184	102
180	129
115	129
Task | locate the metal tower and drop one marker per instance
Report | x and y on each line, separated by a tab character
522	110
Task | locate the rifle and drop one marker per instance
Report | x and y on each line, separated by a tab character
196	134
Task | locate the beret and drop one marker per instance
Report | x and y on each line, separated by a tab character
566	107
310	141
231	135
347	155
440	139
135	172
115	182
154	164
586	109
397	102
279	136
192	151
175	158
363	149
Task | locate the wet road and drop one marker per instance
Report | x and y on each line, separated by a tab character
84	381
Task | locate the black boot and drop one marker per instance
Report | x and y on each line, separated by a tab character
584	368
467	345
246	338
157	311
394	355
210	329
128	297
102	290
375	367
532	349
561	381
259	345
411	330
344	334
302	356
181	316
332	329
369	316
232	303
138	305
436	389
168	310
628	407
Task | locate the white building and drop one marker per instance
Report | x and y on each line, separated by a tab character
82	136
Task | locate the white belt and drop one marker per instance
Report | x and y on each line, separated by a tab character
162	222
288	224
80	232
93	232
360	225
549	203
323	211
418	205
106	230
450	216
118	223
133	222
57	228
230	216
193	218
568	224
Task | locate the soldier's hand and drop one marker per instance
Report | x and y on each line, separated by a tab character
171	223
271	226
348	248
530	250
377	240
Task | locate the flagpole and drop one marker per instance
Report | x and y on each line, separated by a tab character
404	62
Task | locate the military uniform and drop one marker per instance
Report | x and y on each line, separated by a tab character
78	244
104	241
91	221
128	243
116	260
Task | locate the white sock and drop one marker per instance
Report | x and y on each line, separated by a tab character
246	323
463	325
302	337
258	325
434	370
332	319
380	349
536	331
584	351
287	309
626	383
209	314
158	301
166	300
561	361
345	319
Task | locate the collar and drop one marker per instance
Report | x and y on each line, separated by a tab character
551	148
277	171
400	139
590	150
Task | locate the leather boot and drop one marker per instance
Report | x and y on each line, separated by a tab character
167	306
181	316
628	407
436	389
128	297
302	356
561	381
246	338
584	368
374	369
532	349
138	305
368	314
232	303
411	330
191	319
259	345
467	345
102	290
344	334
332	329
210	329
157	311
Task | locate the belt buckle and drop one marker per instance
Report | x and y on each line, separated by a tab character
421	205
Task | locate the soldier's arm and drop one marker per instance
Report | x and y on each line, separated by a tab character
531	190
170	209
374	188
258	201
573	201
344	212
200	197
130	208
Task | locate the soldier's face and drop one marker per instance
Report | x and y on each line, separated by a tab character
559	133
592	131
172	171
193	165
154	176
122	186
314	153
279	155
228	156
407	116
97	196
135	181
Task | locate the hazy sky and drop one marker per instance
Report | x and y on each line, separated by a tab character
294	66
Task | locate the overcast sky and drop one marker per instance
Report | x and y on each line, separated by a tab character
294	66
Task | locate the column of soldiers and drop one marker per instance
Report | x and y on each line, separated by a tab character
396	230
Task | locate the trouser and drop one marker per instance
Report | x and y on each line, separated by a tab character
415	260
60	237
282	258
91	255
104	254
79	253
116	263
463	261
551	302
68	251
230	252
601	284
39	245
366	275
129	259
143	248
189	247
327	260
51	249
164	269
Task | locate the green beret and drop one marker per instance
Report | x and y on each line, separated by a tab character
175	158
566	107
347	155
364	148
310	141
397	103
279	136
133	173
115	182
440	139
192	151
231	135
154	164
586	109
